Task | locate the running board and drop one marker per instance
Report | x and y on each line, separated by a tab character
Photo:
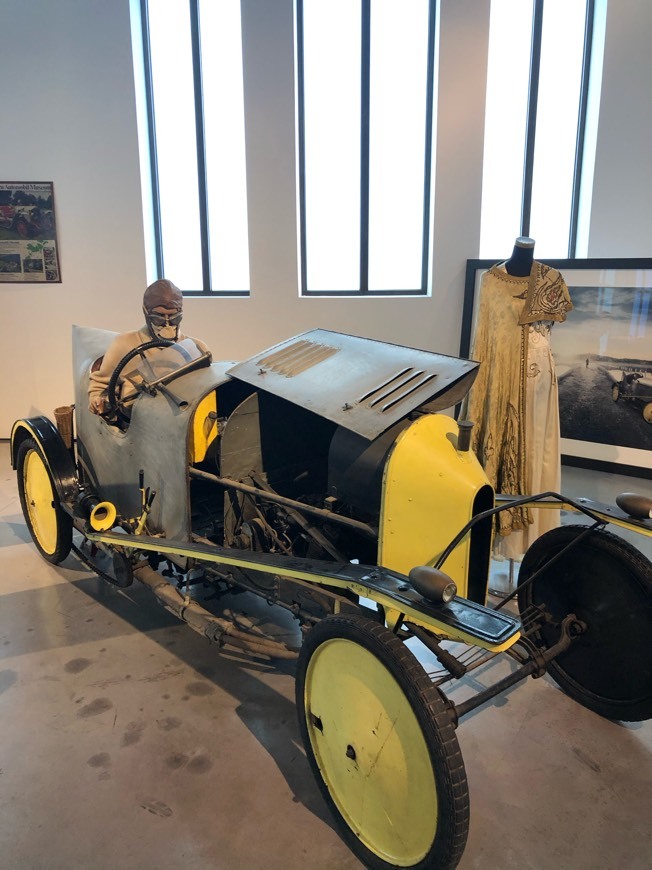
460	619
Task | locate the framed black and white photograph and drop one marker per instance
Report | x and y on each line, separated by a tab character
603	360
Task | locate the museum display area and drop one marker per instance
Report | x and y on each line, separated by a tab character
300	483
130	741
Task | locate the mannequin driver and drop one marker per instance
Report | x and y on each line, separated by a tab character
163	310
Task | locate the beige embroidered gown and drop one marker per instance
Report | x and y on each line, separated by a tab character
514	400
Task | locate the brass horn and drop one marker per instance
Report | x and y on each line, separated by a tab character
103	516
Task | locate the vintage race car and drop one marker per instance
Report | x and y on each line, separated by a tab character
322	476
28	221
633	386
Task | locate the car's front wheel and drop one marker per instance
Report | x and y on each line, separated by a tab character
382	746
615	392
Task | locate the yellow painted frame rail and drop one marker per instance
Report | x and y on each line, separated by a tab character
461	620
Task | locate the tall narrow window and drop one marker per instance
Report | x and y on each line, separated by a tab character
196	116
176	146
539	64
226	181
510	37
560	82
365	89
331	113
397	135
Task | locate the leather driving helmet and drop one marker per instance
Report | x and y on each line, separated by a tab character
163	309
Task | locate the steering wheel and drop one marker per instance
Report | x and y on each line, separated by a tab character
115	405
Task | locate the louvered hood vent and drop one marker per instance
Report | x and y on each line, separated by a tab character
364	385
296	358
397	389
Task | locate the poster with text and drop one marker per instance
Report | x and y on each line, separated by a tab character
28	234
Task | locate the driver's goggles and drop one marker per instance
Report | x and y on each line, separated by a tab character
164	319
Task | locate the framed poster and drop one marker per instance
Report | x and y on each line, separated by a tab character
28	233
603	359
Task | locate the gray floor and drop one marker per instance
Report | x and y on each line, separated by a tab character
128	742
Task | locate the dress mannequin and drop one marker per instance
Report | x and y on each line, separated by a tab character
520	263
514	400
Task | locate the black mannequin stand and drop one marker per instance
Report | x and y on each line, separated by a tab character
501	583
520	263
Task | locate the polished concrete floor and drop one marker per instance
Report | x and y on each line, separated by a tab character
129	742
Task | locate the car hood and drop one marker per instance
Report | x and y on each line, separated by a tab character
364	385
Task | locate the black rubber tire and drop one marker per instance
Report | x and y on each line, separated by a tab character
615	392
452	796
114	407
55	545
607	584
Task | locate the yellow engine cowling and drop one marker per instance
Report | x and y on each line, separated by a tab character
431	489
203	431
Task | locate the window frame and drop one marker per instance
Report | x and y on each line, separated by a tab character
365	84
531	122
206	290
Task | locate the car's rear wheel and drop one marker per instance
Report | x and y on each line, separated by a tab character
607	584
49	525
647	412
382	746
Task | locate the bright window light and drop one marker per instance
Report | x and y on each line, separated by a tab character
560	81
397	138
173	95
591	129
221	45
352	244
510	36
209	120
331	38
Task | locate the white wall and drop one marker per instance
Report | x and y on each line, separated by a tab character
70	118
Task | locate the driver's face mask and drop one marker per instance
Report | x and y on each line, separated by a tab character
164	325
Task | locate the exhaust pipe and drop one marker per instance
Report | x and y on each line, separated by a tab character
464	428
217	630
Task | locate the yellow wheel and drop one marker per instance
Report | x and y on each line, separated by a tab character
647	412
49	525
382	747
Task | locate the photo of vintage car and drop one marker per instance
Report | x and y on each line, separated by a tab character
323	476
634	387
27	221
